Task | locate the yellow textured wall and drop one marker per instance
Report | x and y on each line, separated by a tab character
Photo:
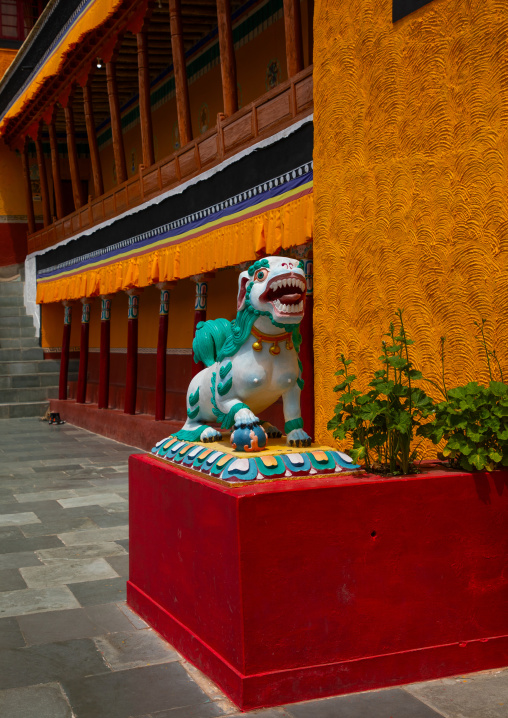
410	184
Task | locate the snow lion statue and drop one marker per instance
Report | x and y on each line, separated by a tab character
253	360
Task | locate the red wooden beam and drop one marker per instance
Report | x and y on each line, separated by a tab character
131	380
83	352
64	356
162	341
104	360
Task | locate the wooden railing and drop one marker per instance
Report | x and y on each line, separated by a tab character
277	109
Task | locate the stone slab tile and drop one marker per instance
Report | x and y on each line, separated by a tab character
46	701
44	495
19	519
391	703
36	600
94	592
114	533
109	618
13	544
98	499
134	692
133	650
18	560
79	551
54	526
203	710
116	518
120	564
11	580
10	634
481	695
136	620
40	508
50	662
71	571
54	626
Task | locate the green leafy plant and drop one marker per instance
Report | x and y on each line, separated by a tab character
382	422
473	419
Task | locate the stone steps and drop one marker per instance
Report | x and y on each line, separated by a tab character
27	382
11	301
19	343
22	381
28	394
35	367
19	410
12	312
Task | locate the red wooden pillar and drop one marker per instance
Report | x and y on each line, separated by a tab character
307	353
64	357
131	380
145	110
95	161
116	122
293	32
46	214
55	165
227	57
72	149
104	353
180	71
83	352
162	341
30	215
199	310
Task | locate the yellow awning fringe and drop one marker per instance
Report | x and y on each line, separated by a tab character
95	14
274	230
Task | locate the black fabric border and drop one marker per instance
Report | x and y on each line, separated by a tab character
41	43
260	166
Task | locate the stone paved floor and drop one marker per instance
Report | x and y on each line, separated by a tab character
69	646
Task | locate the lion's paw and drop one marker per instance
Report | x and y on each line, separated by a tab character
245	417
271	430
209	435
298	437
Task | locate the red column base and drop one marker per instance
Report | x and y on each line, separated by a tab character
283	591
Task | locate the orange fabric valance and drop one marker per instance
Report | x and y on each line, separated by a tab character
267	233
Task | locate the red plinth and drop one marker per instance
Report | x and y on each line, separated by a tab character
289	590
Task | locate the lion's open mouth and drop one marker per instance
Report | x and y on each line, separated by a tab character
286	293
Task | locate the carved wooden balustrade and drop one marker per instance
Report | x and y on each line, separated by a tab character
287	103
